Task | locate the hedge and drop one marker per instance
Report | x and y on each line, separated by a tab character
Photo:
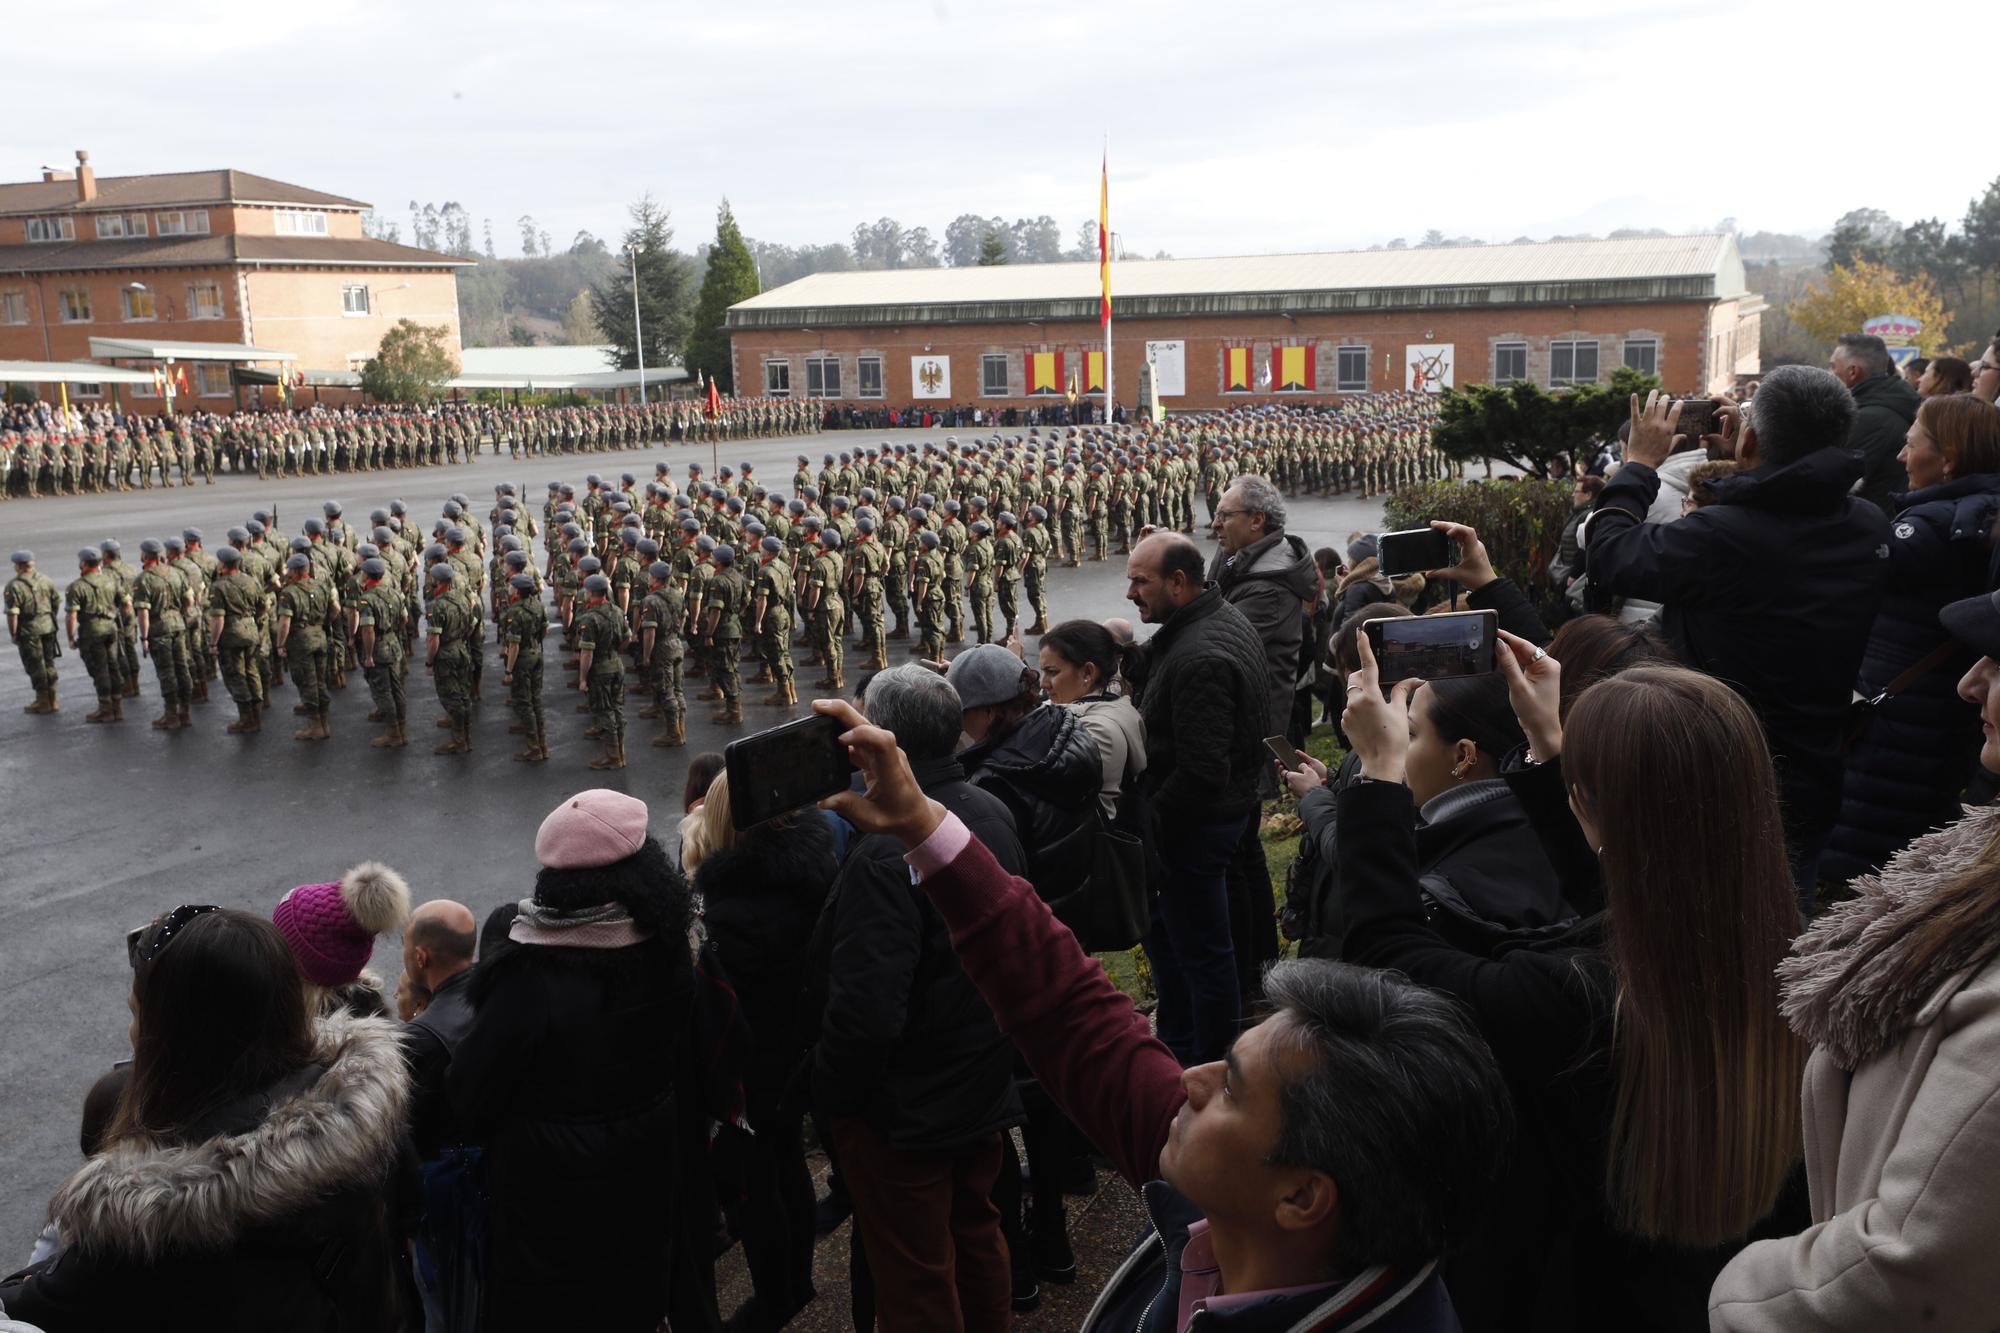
1521	522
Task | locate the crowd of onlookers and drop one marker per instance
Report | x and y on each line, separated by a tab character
1650	980
1057	412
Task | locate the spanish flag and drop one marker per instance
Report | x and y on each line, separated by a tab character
1093	372
1045	372
1292	368
714	398
1236	370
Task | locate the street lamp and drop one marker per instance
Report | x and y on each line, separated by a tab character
638	337
384	291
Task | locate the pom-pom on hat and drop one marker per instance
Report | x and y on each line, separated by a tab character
332	927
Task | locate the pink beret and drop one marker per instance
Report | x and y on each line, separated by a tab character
591	828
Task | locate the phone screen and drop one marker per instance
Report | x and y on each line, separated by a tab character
1282	750
1697	418
1433	647
795	764
1413	552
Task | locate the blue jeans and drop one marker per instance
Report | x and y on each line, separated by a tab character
1188	944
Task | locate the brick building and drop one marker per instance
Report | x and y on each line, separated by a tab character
1261	328
219	259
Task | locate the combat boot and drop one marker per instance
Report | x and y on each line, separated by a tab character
784	696
838	682
517	728
103	713
201	689
452	746
444	723
310	731
732	711
385	740
902	630
187	720
132	689
399	730
36	706
613	756
674	736
168	720
256	718
763	676
709	695
49	701
957	635
117	708
300	710
321	732
881	659
245	720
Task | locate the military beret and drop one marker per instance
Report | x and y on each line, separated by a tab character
225	555
515	559
772	545
452	509
190	534
1039	514
443	572
459	498
927	539
648	547
253	528
24	557
980	527
398	508
659	571
864	524
704	543
374	567
261	515
456	536
592	479
590	564
298	544
331	509
690	524
725	554
597	585
509	542
830	539
577	544
523	584
368	550
897	503
434	553
88	555
313	527
952	506
297	564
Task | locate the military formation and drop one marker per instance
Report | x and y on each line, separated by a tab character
655	588
47	451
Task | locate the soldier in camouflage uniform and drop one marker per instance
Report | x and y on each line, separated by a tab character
821	601
979	558
725	600
928	578
161	598
234	603
1006	569
1035	566
128	625
600	636
524	626
662	613
95	602
303	606
377	618
868	563
32	603
771	620
197	633
450	647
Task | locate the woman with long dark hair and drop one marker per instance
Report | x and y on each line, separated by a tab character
1079	670
241	1184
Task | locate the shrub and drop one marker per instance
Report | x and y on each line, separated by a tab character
1521	522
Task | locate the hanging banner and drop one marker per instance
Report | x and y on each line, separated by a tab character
1292	369
1169	363
1427	367
1236	370
1044	372
930	376
1093	373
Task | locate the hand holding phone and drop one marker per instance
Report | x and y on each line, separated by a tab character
1412	552
1432	647
793	764
1283	751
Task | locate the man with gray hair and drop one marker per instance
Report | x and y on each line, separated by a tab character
1886	405
910	1070
1772	588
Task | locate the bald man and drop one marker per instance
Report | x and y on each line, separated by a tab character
437	955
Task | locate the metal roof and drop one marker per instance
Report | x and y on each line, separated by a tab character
169	189
69	372
161	349
214	251
1635	268
584	366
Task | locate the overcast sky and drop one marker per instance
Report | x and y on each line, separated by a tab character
1235	128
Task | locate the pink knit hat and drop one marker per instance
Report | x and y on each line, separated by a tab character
332	927
592	828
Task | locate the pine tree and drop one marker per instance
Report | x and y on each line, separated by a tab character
992	249
731	277
665	295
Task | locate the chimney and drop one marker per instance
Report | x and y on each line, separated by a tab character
86	179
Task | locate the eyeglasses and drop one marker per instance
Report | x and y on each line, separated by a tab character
1221	514
143	943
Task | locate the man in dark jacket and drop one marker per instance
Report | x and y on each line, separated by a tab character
1205	707
1886	405
438	942
910	1068
1772	588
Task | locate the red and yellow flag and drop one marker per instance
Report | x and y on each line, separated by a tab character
1236	370
1292	368
1044	371
714	398
1093	372
1104	242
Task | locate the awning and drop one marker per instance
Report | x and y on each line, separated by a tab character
605	379
152	349
245	375
69	372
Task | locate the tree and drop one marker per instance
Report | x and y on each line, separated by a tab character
963	238
579	323
530	246
411	365
1532	427
584	243
1852	294
1432	240
920	248
1036	241
992	250
489	240
1086	241
666	285
1862	235
373	225
731	277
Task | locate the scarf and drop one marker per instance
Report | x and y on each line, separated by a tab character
607	926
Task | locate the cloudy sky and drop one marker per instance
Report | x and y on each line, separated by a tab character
1234	128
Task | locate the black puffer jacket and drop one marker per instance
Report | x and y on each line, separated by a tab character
1207	691
905	1039
275	1216
1047	771
1887	406
1904	778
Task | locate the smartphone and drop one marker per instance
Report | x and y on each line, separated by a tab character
1697	418
1282	751
1413	552
793	764
1433	647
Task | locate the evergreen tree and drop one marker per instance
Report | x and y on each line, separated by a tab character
666	283
731	277
992	250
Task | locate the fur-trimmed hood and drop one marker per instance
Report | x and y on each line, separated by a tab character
323	1135
1853	1018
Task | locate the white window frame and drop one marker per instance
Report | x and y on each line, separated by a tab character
1509	349
300	222
986	389
1651	347
818	383
862	366
202	372
122	226
52	228
778	378
63	305
195	307
1342	383
181	222
347	302
11	303
146	389
128	300
86	389
1574	346
358	361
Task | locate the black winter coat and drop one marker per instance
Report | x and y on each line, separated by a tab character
1273	582
1772	590
1887	406
1904	777
905	1039
566	1078
275	1216
1047	771
1205	707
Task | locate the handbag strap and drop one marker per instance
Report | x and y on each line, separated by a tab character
1918	669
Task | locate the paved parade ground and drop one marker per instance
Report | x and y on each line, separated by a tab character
109	825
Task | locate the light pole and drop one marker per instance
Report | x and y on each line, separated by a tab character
638	337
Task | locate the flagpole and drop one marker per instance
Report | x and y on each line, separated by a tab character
1104	251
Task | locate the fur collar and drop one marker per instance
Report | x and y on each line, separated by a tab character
338	1133
1854	1018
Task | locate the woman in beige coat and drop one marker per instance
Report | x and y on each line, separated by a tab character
1898	990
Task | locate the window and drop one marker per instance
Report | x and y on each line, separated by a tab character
188	222
75	306
204	300
1573	363
301	222
778	379
211	379
149	389
1643	355
86	389
358	361
822	377
13	307
138	303
59	228
117	226
993	375
1510	362
354	298
868	371
1351	370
